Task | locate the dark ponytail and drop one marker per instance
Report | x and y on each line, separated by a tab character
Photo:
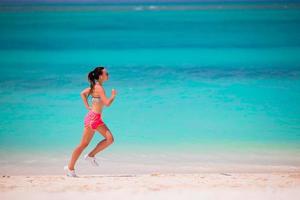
93	76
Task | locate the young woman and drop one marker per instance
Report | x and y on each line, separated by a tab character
93	121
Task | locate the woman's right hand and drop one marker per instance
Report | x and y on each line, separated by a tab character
113	92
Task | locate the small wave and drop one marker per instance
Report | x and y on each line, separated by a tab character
153	7
138	8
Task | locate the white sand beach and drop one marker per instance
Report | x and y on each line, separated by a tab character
280	185
154	176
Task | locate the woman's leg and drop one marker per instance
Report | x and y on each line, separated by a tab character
88	134
109	139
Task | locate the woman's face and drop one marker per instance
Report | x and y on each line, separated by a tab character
104	76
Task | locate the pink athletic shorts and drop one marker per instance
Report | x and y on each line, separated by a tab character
93	119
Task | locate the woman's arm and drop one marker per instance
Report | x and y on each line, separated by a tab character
84	94
105	100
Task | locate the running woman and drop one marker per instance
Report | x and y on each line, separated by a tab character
93	121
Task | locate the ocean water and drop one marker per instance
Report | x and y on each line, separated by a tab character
195	86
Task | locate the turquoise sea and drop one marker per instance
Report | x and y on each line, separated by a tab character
196	85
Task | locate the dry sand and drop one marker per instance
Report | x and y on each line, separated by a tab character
281	185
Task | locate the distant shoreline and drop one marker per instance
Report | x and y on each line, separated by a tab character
13	7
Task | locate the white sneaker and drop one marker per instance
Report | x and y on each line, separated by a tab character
92	160
70	173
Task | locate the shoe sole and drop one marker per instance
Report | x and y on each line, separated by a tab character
86	158
68	175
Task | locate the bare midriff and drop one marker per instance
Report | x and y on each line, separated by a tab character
97	106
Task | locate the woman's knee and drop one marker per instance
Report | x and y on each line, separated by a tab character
110	139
